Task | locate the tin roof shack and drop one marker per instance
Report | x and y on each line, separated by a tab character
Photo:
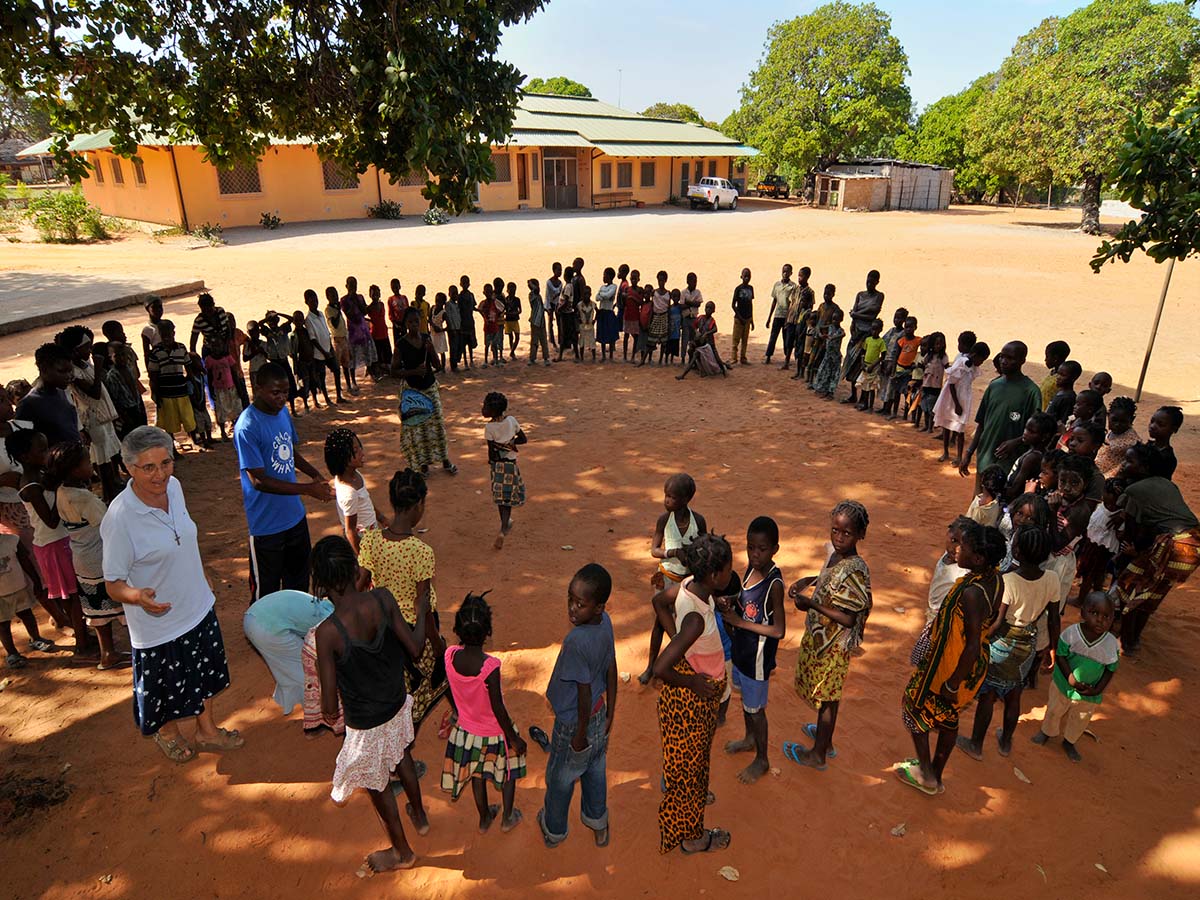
855	193
909	185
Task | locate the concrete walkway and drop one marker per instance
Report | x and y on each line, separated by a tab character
29	300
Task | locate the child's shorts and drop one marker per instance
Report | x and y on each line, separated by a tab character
512	327
754	692
16	602
495	340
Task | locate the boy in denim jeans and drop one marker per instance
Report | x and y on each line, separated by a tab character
583	693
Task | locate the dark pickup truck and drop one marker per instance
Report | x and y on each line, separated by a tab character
772	186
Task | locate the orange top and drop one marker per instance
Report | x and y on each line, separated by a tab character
908	351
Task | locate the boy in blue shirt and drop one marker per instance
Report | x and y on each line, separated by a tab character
268	456
583	693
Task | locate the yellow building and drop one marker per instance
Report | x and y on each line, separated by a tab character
564	153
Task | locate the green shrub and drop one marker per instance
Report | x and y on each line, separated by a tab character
62	216
436	216
270	221
214	234
386	209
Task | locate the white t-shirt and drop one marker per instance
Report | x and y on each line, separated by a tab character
352	501
12	576
11	494
503	432
140	549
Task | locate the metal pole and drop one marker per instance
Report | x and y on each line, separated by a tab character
1162	299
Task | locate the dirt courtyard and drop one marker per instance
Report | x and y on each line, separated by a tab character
259	822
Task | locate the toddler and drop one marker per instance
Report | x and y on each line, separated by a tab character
503	434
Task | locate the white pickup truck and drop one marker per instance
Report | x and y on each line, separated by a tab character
714	193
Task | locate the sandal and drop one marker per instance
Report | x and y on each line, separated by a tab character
540	737
722	839
41	645
177	750
15	661
811	731
450	467
227	739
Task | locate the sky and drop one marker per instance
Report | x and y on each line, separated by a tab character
637	52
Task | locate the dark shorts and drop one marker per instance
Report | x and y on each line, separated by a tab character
280	561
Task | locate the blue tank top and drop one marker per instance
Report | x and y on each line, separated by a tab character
754	654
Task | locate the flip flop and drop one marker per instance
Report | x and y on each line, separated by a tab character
811	731
540	737
791	750
712	834
904	773
546	839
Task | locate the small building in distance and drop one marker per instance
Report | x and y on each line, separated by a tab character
563	153
20	166
875	184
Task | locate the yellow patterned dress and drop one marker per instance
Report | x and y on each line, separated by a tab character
400	566
825	648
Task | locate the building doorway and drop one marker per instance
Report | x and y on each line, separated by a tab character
561	182
522	177
685	175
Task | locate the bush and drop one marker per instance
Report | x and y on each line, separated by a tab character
436	216
61	216
214	234
387	209
270	221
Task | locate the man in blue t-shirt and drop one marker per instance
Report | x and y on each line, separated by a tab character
268	456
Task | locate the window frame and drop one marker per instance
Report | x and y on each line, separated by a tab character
118	174
139	173
506	176
98	169
330	166
648	165
231	171
606	176
625	174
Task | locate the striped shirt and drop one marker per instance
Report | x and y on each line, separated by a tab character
168	363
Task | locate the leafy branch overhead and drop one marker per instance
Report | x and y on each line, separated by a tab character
406	87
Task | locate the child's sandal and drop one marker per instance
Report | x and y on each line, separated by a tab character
177	751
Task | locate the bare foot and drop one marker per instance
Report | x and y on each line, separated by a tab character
485	821
957	462
945	457
508	824
645	677
745	745
753	772
1004	747
389	860
421	821
1040	738
969	747
1072	753
499	544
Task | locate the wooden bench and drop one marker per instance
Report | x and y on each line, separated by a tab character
613	199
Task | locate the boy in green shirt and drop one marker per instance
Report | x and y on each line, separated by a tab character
868	382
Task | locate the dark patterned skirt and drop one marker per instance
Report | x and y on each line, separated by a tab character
97	608
508	488
174	680
471	756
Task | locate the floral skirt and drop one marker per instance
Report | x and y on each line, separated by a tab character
14	519
369	756
471	756
97	608
425	444
174	680
313	718
508	488
1009	660
821	675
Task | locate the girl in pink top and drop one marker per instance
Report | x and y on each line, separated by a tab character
692	669
221	366
484	745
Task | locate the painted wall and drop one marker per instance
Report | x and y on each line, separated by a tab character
154	201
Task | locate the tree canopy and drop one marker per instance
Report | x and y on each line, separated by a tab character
407	88
559	84
19	118
681	111
939	138
1062	98
830	83
1158	171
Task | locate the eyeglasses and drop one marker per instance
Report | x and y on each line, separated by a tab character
165	468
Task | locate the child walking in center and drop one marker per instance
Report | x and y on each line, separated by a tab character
363	651
756	623
357	512
484	744
584	678
837	602
673	532
503	433
1084	664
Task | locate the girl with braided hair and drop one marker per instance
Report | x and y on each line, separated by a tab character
837	602
484	744
344	458
398	560
503	434
363	650
692	669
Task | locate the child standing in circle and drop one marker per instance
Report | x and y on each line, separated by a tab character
828	375
692	669
837	609
344	458
484	744
674	530
363	650
756	622
503	433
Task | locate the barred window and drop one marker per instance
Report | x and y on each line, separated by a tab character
337	177
503	165
413	179
98	170
624	175
139	172
648	174
712	168
605	176
534	157
118	175
241	179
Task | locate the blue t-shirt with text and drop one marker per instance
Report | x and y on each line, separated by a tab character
267	442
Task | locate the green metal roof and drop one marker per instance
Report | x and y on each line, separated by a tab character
526	138
622	148
41	148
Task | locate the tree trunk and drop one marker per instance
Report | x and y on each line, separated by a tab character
1090	223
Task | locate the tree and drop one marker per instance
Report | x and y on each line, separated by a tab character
1063	96
680	111
830	83
939	138
559	84
405	87
19	118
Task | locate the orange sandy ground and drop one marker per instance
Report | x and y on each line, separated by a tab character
258	822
